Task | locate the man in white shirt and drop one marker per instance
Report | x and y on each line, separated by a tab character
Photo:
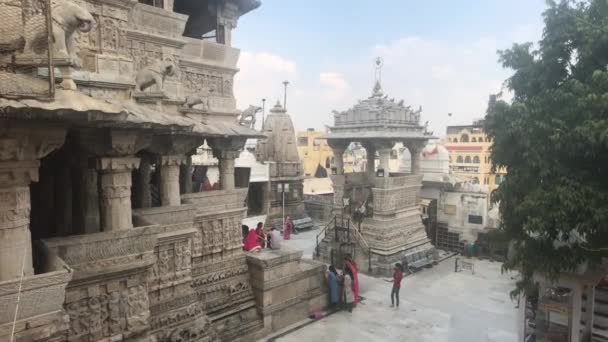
275	238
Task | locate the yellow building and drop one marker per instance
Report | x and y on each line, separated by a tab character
317	157
469	149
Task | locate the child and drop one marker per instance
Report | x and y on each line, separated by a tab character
397	276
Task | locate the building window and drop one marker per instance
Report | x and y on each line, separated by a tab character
475	219
486	180
487	139
455	140
476	160
459	159
464	138
220	34
302	141
327	163
394	154
467	159
475	180
473	140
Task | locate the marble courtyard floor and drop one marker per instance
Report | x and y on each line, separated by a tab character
437	305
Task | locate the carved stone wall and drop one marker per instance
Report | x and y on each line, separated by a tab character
219	269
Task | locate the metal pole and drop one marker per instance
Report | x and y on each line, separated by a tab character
263	111
283	206
285	83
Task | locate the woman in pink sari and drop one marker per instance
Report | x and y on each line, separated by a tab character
352	266
251	242
287	228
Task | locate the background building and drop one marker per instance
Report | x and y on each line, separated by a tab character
469	149
314	152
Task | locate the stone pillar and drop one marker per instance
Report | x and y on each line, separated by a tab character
116	192
385	156
169	180
415	149
226	164
86	198
143	196
15	236
370	151
185	176
339	159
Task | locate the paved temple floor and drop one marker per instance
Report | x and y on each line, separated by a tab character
436	305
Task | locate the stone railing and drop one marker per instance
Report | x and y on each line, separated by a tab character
105	252
211	53
164	215
207	202
398	180
152	21
40	300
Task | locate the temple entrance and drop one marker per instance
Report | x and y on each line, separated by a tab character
256	198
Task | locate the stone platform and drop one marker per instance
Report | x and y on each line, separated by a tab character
287	289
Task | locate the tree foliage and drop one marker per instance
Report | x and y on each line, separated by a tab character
552	137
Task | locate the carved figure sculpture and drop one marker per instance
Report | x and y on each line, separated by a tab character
154	74
203	100
247	117
68	17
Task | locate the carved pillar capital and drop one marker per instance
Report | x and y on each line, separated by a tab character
174	160
415	147
117	164
116	192
113	142
226	150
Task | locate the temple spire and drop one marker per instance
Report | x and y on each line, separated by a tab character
378	63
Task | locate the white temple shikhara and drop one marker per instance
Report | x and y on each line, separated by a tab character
377	219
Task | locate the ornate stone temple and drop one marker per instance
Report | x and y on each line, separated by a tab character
101	237
279	150
377	219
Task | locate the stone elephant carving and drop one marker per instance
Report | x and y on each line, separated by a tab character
247	117
68	17
154	74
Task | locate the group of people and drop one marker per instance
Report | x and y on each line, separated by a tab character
343	288
255	239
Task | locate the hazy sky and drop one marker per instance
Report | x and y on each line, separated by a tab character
438	54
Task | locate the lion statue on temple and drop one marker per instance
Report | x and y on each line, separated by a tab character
68	17
154	75
247	117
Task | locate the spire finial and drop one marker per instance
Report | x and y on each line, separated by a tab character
378	63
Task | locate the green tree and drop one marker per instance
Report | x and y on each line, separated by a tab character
552	137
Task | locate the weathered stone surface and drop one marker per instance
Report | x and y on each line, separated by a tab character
287	289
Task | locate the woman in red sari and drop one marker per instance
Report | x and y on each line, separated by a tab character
352	266
251	242
287	228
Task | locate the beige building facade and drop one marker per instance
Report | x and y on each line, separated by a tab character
469	149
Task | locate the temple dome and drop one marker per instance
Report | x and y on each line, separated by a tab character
435	158
378	108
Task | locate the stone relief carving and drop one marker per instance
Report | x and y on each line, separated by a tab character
247	117
68	17
106	314
201	100
154	75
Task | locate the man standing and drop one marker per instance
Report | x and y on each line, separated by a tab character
275	238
